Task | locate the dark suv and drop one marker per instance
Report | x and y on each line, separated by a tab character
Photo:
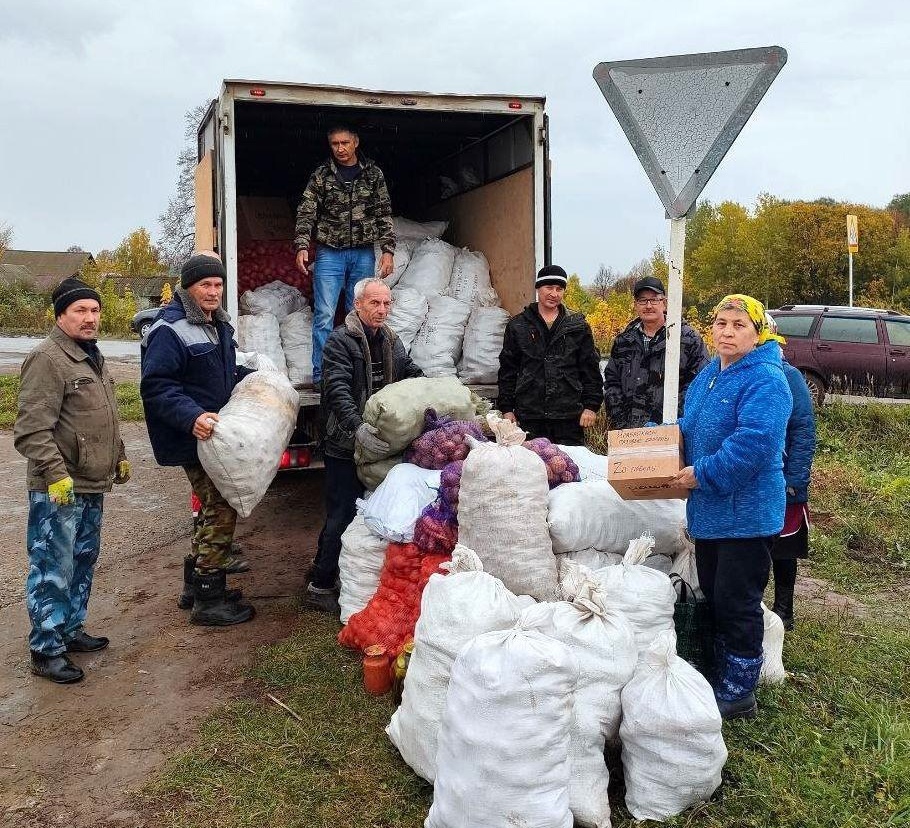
847	350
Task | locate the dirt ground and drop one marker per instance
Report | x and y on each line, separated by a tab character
71	755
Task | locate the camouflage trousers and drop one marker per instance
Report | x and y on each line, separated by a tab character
63	544
214	531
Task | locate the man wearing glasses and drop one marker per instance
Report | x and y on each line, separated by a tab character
634	375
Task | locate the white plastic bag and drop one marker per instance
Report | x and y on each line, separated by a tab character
470	280
591	515
591	466
455	608
646	596
483	337
359	565
430	267
772	646
400	260
276	297
242	455
409	309
502	512
603	645
296	331
392	510
261	334
593	559
684	563
411	230
673	751
437	346
503	757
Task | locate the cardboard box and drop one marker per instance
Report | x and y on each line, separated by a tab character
264	219
641	462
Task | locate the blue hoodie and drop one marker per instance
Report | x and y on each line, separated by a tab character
734	424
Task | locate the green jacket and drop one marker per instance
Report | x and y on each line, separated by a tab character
345	215
67	421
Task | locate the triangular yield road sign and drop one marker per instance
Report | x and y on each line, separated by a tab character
682	113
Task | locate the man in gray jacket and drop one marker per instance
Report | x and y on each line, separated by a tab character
67	428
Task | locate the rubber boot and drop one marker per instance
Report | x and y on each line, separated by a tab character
784	585
211	607
735	688
185	601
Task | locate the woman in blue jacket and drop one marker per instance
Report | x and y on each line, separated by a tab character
733	425
799	451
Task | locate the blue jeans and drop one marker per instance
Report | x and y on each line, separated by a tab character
335	270
63	545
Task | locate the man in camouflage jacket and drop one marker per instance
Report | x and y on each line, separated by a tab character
345	209
634	375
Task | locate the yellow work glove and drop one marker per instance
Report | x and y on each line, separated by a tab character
62	492
123	471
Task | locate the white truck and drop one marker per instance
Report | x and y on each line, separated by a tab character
479	162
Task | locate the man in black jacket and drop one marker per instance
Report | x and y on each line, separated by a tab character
360	357
634	375
549	369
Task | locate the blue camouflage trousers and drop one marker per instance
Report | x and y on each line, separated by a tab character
63	545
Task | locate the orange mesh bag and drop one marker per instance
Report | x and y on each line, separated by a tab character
389	618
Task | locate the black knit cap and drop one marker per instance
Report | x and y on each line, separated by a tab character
200	266
551	275
69	291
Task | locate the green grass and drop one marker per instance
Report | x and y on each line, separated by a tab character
830	749
129	403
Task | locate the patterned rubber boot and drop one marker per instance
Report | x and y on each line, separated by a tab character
211	607
185	601
735	687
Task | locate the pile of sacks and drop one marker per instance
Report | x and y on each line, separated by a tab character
445	309
276	321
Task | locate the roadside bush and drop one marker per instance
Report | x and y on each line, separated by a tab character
21	309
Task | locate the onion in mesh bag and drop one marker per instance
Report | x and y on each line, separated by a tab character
450	484
560	467
442	441
436	530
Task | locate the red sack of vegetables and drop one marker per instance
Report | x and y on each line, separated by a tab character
560	467
389	618
436	530
450	484
442	441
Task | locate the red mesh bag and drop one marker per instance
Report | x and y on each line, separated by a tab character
442	442
436	530
389	618
560	467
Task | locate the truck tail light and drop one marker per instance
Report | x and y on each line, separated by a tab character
195	504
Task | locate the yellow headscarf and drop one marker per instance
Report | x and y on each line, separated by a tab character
755	311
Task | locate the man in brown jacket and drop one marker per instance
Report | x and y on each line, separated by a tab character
67	429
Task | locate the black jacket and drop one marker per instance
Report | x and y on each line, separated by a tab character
347	380
553	378
634	375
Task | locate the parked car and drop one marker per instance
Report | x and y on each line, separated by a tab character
144	320
847	350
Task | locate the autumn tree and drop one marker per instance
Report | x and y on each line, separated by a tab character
6	237
166	293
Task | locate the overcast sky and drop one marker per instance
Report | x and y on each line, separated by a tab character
94	93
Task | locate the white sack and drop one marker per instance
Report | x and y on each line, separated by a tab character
591	466
400	260
603	645
772	647
644	595
409	309
455	608
593	559
296	331
258	362
483	337
684	562
437	346
276	297
242	455
673	751
503	757
392	510
430	267
359	565
261	333
502	512
416	230
591	515
470	280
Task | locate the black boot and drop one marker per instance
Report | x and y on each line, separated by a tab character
784	585
211	607
82	642
57	668
185	601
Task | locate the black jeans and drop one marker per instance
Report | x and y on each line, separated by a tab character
342	488
561	432
733	574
